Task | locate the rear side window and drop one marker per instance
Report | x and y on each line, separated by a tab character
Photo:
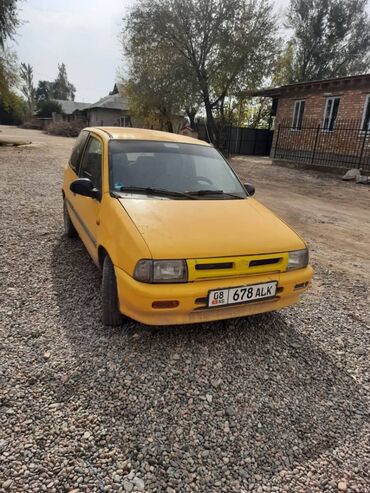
75	158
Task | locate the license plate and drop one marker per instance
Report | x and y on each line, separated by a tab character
242	294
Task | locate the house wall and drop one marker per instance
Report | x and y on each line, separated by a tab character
351	105
345	143
106	117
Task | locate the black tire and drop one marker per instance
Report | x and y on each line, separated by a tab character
69	229
111	314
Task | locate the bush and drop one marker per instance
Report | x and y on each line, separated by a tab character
65	129
32	125
46	108
12	108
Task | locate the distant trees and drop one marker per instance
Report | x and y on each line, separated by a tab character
158	88
44	91
202	50
61	88
12	106
8	20
27	87
331	38
47	107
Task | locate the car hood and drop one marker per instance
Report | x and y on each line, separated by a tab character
209	228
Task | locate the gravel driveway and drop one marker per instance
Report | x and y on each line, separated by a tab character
271	403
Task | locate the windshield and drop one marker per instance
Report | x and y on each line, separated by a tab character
171	166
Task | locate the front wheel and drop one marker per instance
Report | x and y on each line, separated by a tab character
111	314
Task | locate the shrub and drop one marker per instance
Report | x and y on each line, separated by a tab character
65	129
47	108
32	125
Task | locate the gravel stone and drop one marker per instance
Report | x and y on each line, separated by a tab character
127	486
139	484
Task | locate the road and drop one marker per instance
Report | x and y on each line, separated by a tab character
273	403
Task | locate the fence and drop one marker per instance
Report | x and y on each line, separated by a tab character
346	146
242	140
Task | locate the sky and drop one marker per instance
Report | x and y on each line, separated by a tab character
84	34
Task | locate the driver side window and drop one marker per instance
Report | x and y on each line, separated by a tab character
91	165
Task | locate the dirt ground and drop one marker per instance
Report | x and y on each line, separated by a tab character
331	215
272	403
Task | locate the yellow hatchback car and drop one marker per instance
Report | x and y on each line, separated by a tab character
178	237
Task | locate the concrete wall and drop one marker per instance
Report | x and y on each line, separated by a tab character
106	117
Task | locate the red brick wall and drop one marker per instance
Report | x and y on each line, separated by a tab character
346	139
351	105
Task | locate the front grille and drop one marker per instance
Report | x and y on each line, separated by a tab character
223	267
264	261
216	265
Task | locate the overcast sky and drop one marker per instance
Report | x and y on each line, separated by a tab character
84	34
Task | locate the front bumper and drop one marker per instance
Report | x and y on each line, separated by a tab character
136	298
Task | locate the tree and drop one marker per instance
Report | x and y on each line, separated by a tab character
221	45
8	20
12	108
44	91
157	87
47	108
8	70
331	39
27	87
61	87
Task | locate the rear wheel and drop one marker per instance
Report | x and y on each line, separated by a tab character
111	314
69	229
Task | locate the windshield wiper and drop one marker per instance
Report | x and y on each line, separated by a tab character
157	191
200	193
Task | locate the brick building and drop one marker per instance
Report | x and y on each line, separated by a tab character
322	123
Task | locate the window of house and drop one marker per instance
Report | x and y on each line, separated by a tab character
91	163
331	112
124	121
77	151
298	114
365	124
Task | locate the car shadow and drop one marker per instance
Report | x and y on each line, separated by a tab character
255	390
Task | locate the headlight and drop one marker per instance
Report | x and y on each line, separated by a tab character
297	259
161	271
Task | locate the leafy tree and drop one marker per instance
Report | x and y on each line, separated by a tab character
61	87
284	71
8	70
157	87
44	91
221	45
331	39
27	87
47	108
8	20
12	108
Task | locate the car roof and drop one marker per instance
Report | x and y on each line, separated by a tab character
129	133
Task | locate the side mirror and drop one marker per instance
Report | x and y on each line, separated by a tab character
249	188
84	186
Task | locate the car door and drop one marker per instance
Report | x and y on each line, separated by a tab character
71	172
87	209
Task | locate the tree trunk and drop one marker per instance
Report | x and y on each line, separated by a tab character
169	126
190	112
212	129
